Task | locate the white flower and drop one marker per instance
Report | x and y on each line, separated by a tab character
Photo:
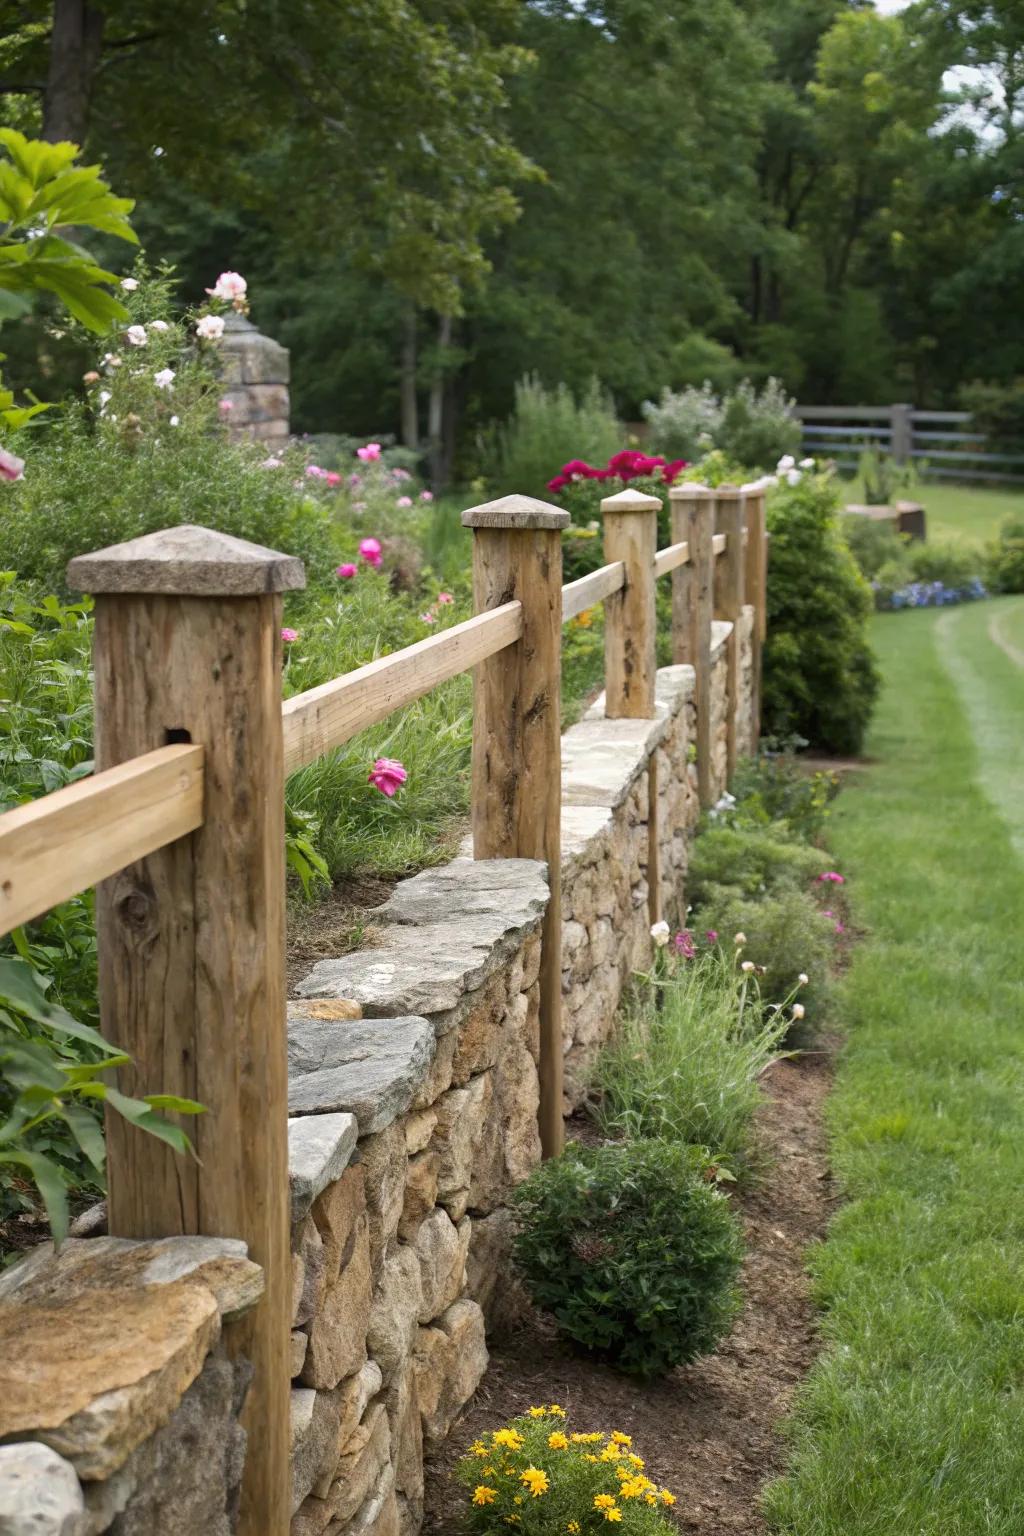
659	933
747	966
798	1010
210	328
803	978
111	360
793	476
175	422
229	286
164	379
786	462
129	284
136	334
806	463
739	939
159	325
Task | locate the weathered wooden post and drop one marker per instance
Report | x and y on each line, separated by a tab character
729	519
517	738
187	647
692	584
901	433
754	592
630	643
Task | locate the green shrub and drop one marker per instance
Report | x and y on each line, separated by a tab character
820	677
1005	560
875	544
547	427
884	480
538	1474
749	862
758	428
632	1250
774	787
956	565
686	1060
788	934
684	425
998	410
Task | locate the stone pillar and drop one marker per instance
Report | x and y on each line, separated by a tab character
255	371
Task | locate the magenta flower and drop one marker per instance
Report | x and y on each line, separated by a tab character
370	551
445	597
832	877
712	935
346	571
387	774
288	635
369	453
404	501
225	406
828	912
426	495
685	945
11	467
840	928
333	478
315	472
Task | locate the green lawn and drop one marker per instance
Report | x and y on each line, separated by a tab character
912	1424
968	513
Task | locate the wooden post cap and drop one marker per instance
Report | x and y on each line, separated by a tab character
516	512
690	491
631	501
187	561
727	490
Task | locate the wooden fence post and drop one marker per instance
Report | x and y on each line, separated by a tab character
630	626
729	519
187	647
517	738
754	572
692	584
901	433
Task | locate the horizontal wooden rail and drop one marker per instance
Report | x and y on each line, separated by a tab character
842	412
68	840
718	544
592	588
669	559
326	717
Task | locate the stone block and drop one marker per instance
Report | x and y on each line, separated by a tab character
39	1493
337	1334
368	1067
420	1192
335	1213
397	1303
450	1360
309	1272
461	1118
384	1162
441	1249
315	1421
319	1150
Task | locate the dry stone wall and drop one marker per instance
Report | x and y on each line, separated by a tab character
413	1096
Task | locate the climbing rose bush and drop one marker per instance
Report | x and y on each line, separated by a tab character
540	1477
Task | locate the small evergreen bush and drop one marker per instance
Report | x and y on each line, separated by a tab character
786	934
1006	558
820	677
632	1250
775	788
548	426
749	862
757	428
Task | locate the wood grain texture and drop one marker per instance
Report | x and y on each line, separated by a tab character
517	774
577	596
754	570
70	839
730	516
192	969
630	624
325	717
671	558
187	561
692	590
718	544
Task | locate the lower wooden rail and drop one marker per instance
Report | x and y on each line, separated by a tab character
672	558
593	588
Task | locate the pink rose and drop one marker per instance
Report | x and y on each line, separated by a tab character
229	286
315	472
404	501
387	774
288	635
333	478
370	551
445	597
11	467
346	571
369	453
426	495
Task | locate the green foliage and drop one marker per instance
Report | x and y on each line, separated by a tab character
998	411
686	1060
632	1250
758	428
538	1475
820	679
1006	558
747	861
883	479
547	427
787	935
684	425
775	788
52	1088
875	544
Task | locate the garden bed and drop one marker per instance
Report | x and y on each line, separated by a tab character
709	1430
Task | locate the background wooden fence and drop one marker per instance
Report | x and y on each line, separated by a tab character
181	828
944	440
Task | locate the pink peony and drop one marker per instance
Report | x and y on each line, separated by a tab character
369	453
445	597
370	551
346	571
404	501
832	877
11	467
426	495
288	635
315	472
387	774
229	287
333	478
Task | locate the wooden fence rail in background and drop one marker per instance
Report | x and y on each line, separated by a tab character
182	830
942	442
